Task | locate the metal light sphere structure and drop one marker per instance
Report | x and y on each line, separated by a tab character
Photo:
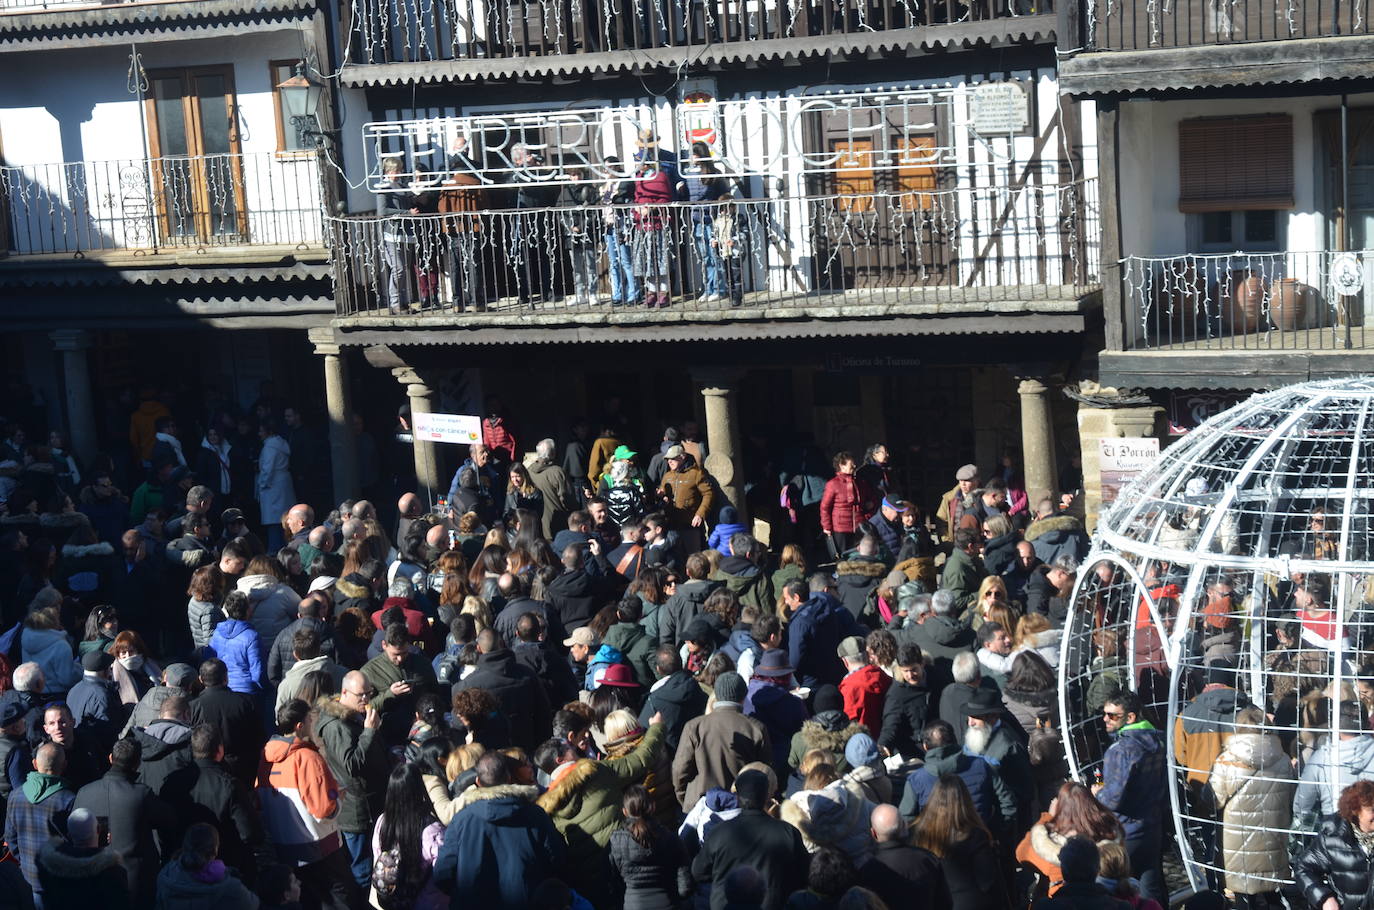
1242	559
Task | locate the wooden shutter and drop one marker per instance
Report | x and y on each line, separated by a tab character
1231	163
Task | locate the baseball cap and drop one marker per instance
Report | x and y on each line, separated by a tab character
895	505
10	711
97	660
581	636
179	674
623	453
967	472
229	516
320	582
674	452
852	647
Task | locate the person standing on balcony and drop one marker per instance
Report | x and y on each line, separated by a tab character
617	195
461	202
394	203
653	193
533	237
705	188
580	217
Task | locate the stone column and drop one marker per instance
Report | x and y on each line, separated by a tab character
343	447
725	454
1037	440
426	458
1107	422
80	411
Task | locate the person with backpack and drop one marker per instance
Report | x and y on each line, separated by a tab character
405	843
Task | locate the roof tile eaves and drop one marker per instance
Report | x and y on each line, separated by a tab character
364	76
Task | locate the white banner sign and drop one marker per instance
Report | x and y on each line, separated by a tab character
1121	460
460	428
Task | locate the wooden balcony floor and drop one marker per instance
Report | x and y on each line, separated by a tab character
877	302
1323	339
762	314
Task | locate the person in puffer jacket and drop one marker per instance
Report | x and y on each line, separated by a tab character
1334	872
1349	759
727	527
236	643
1134	774
275	604
831	817
300	800
1253	783
944	756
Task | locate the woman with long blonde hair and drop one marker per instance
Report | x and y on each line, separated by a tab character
992	590
477	608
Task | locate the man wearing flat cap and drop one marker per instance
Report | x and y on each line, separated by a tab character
955	501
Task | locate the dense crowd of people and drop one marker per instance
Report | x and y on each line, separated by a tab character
578	680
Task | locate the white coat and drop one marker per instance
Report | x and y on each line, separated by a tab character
275	492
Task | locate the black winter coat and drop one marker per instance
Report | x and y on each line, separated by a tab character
966	875
239	725
679	699
905	711
166	749
134	812
521	694
1081	896
575	596
652	878
82	877
898	871
505	621
214	796
1333	865
774	848
999	553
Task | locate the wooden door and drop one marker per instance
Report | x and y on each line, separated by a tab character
196	173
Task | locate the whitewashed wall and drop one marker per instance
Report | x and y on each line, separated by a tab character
1152	225
72	106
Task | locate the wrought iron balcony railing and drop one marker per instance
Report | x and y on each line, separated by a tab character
946	252
1133	25
1248	301
162	203
417	31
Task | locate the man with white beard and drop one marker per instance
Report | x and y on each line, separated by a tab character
989	736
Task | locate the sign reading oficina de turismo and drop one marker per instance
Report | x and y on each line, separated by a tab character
458	428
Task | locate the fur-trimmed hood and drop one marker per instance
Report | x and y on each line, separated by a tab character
568	787
63	519
65	864
1060	524
1047	844
868	568
351	589
72	551
816	734
524	792
332	707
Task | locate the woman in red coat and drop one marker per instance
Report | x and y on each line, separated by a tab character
847	503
